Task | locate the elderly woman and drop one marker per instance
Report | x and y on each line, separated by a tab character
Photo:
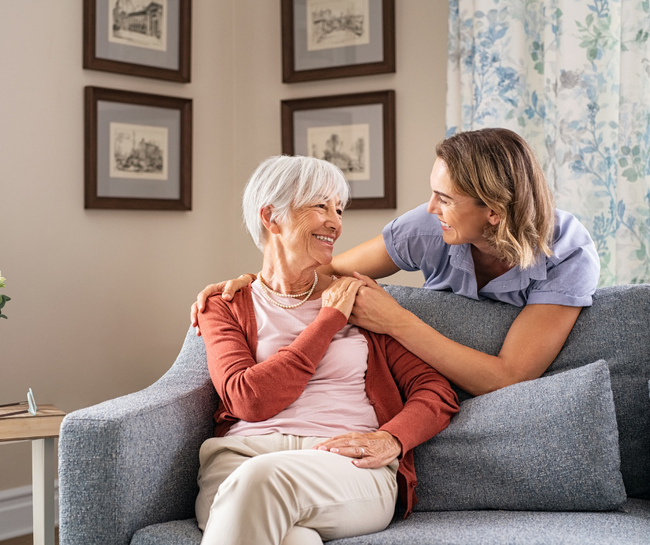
317	417
490	230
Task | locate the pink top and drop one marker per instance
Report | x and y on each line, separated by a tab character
334	400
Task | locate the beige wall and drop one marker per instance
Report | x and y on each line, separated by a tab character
100	299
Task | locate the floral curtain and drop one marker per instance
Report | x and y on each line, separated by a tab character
573	78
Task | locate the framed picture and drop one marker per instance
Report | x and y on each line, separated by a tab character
324	39
138	150
356	133
138	37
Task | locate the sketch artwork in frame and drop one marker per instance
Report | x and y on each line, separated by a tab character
323	39
356	133
138	150
148	38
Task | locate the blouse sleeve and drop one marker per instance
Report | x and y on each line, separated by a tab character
414	240
572	271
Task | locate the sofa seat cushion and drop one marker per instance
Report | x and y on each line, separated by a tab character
176	532
549	444
629	524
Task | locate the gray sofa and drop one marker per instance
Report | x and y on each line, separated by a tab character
563	459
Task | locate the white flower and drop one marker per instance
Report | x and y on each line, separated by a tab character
2	281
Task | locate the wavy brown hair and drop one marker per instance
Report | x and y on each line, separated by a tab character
498	169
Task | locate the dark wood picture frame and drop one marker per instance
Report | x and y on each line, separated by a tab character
290	74
183	159
386	99
93	62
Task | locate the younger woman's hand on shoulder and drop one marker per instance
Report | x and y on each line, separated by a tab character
341	294
227	289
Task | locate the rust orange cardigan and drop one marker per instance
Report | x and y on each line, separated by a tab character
413	402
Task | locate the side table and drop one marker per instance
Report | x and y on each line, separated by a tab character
41	429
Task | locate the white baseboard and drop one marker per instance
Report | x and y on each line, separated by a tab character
16	511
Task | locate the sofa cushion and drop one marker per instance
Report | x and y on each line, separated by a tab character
547	444
628	525
176	532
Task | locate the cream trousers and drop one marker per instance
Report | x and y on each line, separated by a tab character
273	489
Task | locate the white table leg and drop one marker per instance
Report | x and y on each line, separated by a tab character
43	490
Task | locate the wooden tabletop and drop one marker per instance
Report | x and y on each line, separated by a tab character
16	427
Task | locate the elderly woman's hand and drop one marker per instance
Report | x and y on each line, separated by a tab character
341	294
374	309
227	290
369	450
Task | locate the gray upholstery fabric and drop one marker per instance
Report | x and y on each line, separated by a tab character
548	444
176	532
616	329
132	462
629	525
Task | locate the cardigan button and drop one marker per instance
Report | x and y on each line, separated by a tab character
372	401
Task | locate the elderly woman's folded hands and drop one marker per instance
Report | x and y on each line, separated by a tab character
369	450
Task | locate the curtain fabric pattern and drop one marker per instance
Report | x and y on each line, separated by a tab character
573	78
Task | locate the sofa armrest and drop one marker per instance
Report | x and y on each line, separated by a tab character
130	462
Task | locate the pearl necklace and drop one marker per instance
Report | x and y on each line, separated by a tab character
267	292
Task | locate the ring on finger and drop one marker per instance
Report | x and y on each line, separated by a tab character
363	452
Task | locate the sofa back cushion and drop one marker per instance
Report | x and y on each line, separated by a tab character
616	328
549	444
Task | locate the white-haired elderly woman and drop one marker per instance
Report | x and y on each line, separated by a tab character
317	418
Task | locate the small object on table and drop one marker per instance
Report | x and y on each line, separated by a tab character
32	404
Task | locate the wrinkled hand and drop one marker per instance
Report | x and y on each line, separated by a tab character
374	309
341	293
368	450
228	289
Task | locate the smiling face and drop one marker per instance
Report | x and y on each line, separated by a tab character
462	219
308	236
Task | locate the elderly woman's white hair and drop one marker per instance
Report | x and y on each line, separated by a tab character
287	183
